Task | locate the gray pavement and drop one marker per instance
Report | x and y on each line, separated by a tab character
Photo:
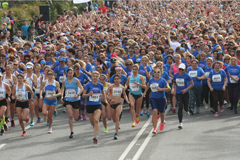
202	137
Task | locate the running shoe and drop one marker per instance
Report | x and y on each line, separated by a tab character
49	130
2	131
197	110
191	111
71	135
173	109
164	121
115	136
229	105
206	106
216	114
39	120
137	120
154	131
27	120
95	140
5	127
24	133
79	118
224	102
157	118
64	110
12	123
7	119
47	123
84	116
134	124
55	113
221	109
148	113
161	126
32	123
212	110
15	113
180	126
106	130
235	111
142	113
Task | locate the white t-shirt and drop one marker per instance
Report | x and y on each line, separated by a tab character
174	45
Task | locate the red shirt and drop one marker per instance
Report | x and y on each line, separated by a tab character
103	8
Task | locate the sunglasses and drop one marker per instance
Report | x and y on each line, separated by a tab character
197	46
2	57
130	51
180	69
170	52
24	59
47	50
50	74
227	59
129	64
15	64
156	71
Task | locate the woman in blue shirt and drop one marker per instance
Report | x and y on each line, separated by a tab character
93	91
217	82
202	60
181	89
197	75
158	87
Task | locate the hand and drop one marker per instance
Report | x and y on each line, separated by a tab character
76	96
199	78
90	93
211	89
145	67
128	102
144	94
13	97
159	89
223	88
62	100
11	83
136	83
183	91
54	96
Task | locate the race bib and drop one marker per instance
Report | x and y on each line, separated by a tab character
170	79
216	78
2	93
207	74
134	87
94	97
117	91
8	82
61	79
70	92
49	93
231	80
105	89
180	82
193	74
20	95
154	87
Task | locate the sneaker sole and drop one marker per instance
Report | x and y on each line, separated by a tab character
154	132
115	138
179	127
95	140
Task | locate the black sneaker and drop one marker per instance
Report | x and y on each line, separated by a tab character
191	111
71	135
115	136
5	127
2	131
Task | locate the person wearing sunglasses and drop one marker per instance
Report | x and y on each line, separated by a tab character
72	97
20	93
135	82
217	82
83	79
32	80
27	58
197	50
128	68
197	75
51	87
4	89
181	89
233	72
131	55
93	92
158	87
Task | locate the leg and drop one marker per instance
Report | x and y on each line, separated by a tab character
132	103
31	108
215	100
186	101
19	114
36	104
154	118
117	114
221	97
198	96
147	99
104	116
70	116
138	106
12	110
50	114
90	115
97	114
45	110
180	106
109	117
2	111
192	98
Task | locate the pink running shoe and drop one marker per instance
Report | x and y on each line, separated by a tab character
161	126
154	131
174	110
164	121
216	114
84	116
79	118
221	109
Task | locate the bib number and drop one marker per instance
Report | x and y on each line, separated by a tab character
20	95
117	91
231	80
94	98
2	93
180	82
134	87
193	74
154	87
70	93
49	93
216	78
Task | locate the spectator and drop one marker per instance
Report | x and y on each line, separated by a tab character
17	37
5	19
24	30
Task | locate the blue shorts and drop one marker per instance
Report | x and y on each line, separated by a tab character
159	104
50	101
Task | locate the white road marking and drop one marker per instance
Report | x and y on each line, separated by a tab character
2	145
27	127
135	139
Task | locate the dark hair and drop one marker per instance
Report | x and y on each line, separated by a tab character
104	67
71	51
69	69
116	75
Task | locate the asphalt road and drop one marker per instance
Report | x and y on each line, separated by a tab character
202	137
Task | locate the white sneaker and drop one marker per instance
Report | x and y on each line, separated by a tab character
206	106
180	125
49	130
224	102
228	105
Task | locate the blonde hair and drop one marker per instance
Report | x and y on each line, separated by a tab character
201	54
145	57
96	72
209	58
128	60
81	63
136	65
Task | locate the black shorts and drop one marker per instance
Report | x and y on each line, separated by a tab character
29	95
114	106
38	95
122	96
12	100
3	103
136	96
92	108
105	104
22	105
75	105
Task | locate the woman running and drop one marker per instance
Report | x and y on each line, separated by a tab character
158	87
136	82
114	93
20	93
72	97
4	89
51	86
181	91
105	107
93	91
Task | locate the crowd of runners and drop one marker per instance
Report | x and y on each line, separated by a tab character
144	54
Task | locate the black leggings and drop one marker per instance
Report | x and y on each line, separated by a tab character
146	98
182	100
206	92
233	89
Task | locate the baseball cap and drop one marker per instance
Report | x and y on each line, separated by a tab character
114	54
182	49
182	66
138	60
42	62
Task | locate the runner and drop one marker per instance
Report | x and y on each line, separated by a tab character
181	90
93	91
158	87
4	90
114	93
72	97
50	86
136	82
20	93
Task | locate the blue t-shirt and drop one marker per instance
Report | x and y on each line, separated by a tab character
202	64
207	71
161	83
217	79
234	71
181	82
128	71
194	73
25	29
123	79
95	99
83	78
59	70
143	73
133	58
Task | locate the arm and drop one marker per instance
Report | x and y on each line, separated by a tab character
31	92
143	85
80	86
209	84
104	96
225	83
58	89
235	79
202	77
190	86
62	89
147	73
34	81
8	89
173	88
123	72
170	71
41	88
146	89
